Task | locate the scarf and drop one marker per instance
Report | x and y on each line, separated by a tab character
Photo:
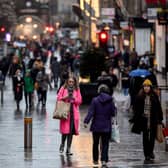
147	109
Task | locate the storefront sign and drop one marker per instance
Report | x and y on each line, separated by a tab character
151	2
124	25
162	17
152	13
108	12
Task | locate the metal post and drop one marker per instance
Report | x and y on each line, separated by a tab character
2	95
28	132
1	90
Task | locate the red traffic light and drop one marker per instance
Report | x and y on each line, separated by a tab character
2	29
103	37
49	29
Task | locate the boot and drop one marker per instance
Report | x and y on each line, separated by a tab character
61	149
68	152
18	106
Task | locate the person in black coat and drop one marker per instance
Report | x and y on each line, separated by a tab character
147	115
55	68
18	83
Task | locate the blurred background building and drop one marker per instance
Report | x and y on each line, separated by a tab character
139	24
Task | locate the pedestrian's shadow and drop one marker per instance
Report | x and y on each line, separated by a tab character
148	164
28	112
28	154
40	110
67	162
18	114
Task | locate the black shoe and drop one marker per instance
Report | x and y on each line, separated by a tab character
152	156
95	162
68	152
147	160
104	164
61	149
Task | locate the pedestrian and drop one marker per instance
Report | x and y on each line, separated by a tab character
125	81
18	83
55	68
42	80
28	89
101	111
147	114
126	57
133	59
70	92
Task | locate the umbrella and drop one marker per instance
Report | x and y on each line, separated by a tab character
140	73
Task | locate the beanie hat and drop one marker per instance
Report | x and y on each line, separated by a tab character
147	82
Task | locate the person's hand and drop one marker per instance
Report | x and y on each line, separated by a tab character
65	97
85	125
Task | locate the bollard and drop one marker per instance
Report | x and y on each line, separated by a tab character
2	96
28	132
1	90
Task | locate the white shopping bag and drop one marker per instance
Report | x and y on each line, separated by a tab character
115	133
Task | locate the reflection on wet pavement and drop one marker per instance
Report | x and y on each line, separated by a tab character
46	141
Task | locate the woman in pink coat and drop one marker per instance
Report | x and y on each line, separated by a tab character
70	92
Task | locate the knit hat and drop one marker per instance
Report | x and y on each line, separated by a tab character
147	82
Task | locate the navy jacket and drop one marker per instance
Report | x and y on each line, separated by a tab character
101	110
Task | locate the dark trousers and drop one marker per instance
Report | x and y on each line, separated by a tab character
69	138
55	78
28	98
149	141
100	140
42	96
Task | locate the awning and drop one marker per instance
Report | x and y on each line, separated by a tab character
70	25
141	23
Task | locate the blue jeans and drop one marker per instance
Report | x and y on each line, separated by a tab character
125	91
102	139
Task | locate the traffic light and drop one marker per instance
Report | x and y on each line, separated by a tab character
2	29
2	32
103	39
49	29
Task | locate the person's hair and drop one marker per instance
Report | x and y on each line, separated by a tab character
76	85
142	93
103	88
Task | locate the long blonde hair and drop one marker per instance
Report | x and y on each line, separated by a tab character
76	84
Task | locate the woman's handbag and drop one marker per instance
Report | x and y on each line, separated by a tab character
62	110
159	134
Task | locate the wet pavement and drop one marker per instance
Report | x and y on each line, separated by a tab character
46	140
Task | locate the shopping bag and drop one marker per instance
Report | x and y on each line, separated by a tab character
115	133
165	132
36	85
61	110
159	134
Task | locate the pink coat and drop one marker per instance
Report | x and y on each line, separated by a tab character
65	124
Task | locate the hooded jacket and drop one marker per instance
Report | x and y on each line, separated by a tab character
101	110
